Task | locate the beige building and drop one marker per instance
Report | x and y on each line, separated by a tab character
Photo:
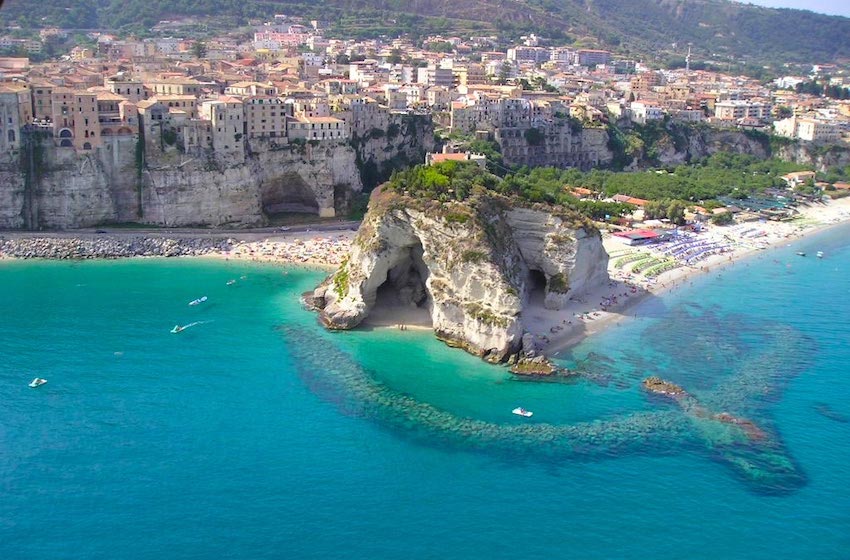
75	119
42	106
186	103
250	88
438	97
175	86
196	134
227	123
266	116
318	128
132	90
116	115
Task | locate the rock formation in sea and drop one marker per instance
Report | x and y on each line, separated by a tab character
473	265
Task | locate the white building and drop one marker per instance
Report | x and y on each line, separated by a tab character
737	109
643	113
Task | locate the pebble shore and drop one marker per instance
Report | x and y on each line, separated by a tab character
320	250
78	248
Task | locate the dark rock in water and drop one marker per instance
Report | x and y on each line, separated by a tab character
661	387
536	367
827	412
312	302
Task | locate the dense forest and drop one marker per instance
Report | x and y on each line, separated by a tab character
717	29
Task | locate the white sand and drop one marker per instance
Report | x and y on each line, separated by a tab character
584	316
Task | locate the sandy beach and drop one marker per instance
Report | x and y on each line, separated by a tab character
325	250
632	281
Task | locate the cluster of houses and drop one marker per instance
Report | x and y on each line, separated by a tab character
290	82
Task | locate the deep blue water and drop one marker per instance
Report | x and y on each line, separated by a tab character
258	435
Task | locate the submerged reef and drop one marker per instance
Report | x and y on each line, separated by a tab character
723	421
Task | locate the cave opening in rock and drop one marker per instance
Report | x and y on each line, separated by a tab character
536	287
403	298
287	196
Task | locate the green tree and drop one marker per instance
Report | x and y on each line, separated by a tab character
676	212
199	49
395	56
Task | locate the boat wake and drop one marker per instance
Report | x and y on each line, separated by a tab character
178	328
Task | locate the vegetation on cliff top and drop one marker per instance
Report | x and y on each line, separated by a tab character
669	190
453	181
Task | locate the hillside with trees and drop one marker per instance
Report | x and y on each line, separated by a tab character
720	30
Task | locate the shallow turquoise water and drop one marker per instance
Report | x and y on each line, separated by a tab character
258	435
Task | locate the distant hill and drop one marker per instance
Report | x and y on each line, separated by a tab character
721	29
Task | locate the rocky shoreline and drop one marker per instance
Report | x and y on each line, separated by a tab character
82	248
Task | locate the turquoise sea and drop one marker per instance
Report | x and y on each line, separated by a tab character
255	434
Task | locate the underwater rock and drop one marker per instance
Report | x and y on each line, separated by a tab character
534	367
827	412
659	386
748	426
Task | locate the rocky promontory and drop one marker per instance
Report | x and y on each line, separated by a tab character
473	264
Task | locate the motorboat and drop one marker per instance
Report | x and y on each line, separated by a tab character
801	253
198	301
37	382
176	329
520	411
231	282
820	254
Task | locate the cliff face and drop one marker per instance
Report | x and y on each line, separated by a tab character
678	144
821	158
472	265
69	190
391	141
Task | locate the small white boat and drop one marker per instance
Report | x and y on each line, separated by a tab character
198	301
231	282
801	253
820	254
176	329
520	411
37	382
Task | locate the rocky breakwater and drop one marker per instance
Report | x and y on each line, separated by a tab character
690	405
473	265
64	248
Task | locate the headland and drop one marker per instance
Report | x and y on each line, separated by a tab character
552	330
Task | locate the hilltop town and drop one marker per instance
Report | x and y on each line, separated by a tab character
304	121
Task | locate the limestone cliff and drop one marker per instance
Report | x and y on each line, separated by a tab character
391	141
473	265
68	190
671	143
